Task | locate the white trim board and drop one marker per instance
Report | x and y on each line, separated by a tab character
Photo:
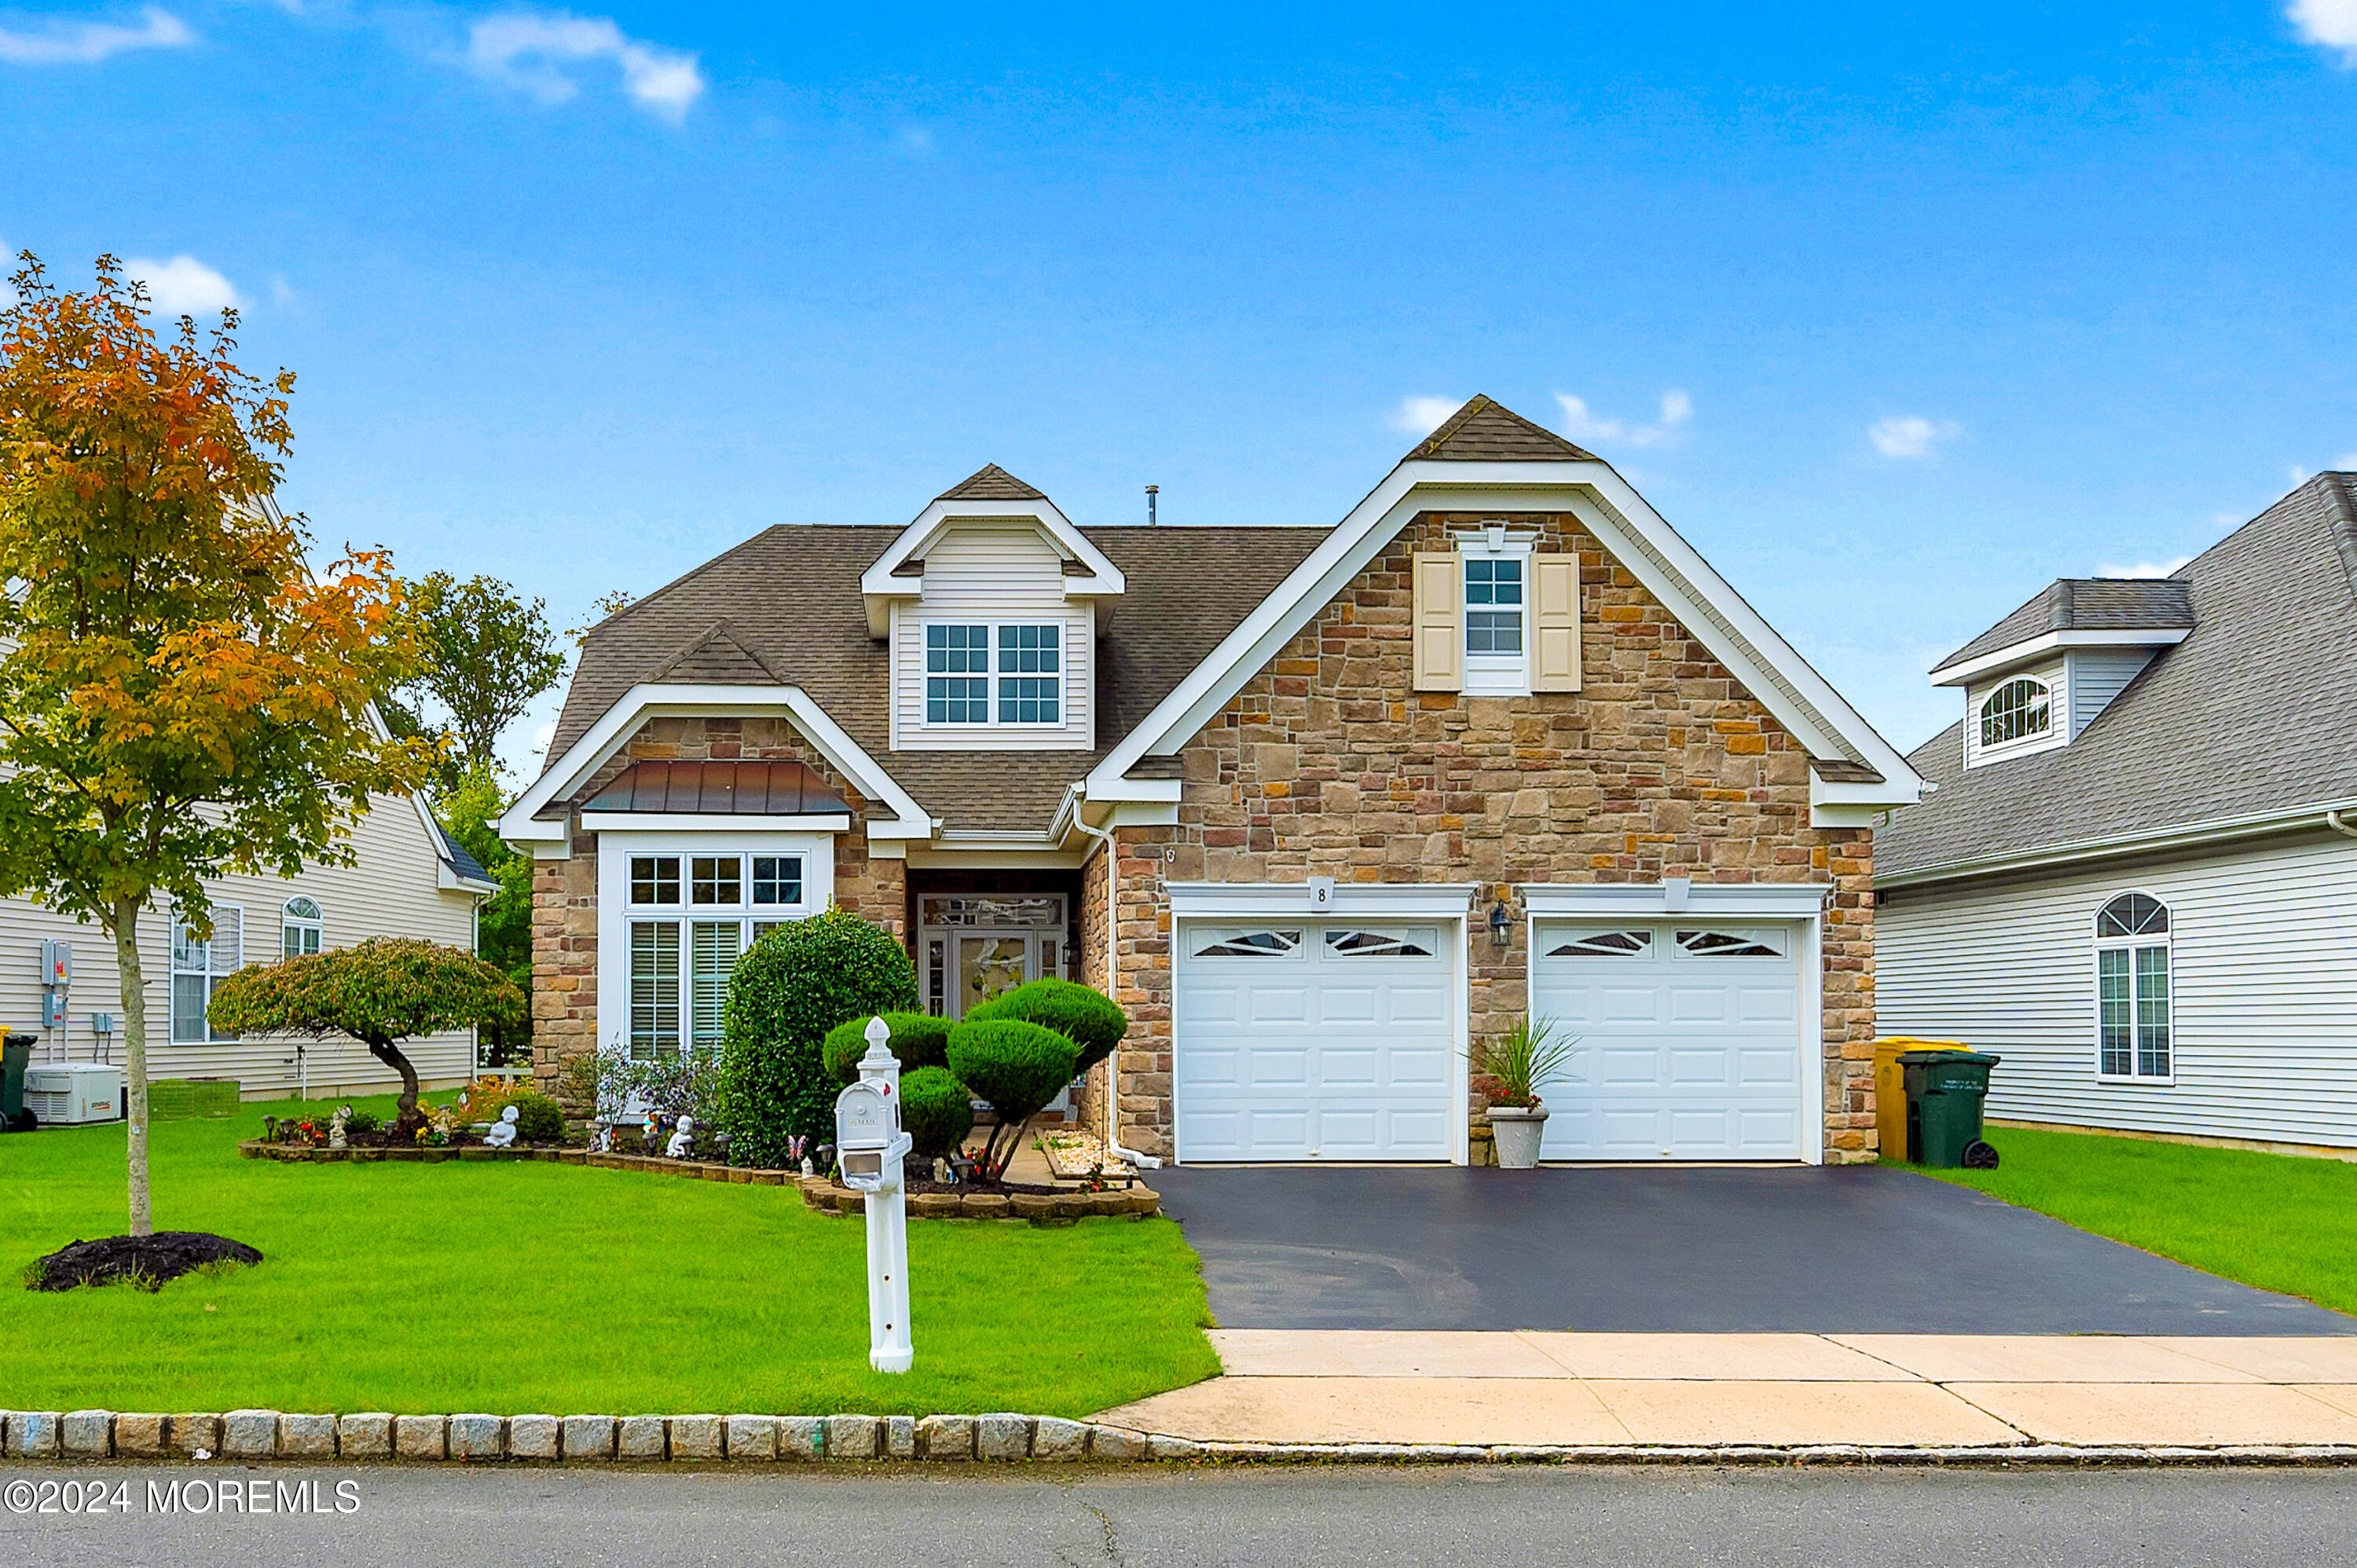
1366	901
1672	895
1638	540
710	822
881	588
2033	648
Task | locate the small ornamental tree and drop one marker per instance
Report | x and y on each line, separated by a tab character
919	1039
1082	1014
380	993
791	988
936	1111
1017	1067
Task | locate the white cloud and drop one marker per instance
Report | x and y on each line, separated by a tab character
2328	24
530	49
2145	568
87	43
1422	415
183	286
1912	435
1582	425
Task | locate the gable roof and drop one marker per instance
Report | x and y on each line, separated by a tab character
816	637
991	483
1487	431
718	658
2254	713
2085	604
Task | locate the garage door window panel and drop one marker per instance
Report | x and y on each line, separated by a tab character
1730	944
1249	944
1606	944
1347	944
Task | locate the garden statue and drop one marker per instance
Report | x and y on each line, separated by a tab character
503	1131
446	1125
648	1128
337	1124
683	1141
601	1137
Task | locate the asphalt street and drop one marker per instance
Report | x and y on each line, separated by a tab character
1363	1517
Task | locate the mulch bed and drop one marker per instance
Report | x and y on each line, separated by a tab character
145	1261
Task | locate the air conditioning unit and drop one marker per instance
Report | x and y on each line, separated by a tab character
62	1096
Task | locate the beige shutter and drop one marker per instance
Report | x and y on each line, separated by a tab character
1439	627
1554	623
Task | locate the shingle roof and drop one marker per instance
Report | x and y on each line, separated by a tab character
454	854
789	600
2255	710
2087	604
990	483
770	788
1486	432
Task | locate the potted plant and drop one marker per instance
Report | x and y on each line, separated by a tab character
1518	1064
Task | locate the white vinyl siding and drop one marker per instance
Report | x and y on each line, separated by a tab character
995	574
392	889
2261	987
2097	676
2052	675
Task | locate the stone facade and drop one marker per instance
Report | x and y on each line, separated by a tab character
1327	763
565	1021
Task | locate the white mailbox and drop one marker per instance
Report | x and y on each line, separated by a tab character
870	1146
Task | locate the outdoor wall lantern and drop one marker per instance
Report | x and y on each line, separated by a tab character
1501	926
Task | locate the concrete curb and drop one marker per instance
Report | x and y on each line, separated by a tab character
1001	1437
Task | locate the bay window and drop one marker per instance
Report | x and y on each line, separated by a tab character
690	916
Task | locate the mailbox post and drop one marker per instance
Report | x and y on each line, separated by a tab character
869	1142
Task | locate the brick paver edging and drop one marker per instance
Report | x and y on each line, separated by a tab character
818	1192
256	1434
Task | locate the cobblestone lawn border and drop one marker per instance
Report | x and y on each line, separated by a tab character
818	1192
249	1435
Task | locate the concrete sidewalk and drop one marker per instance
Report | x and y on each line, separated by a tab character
1776	1390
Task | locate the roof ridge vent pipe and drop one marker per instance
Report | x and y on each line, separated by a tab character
1113	977
1151	493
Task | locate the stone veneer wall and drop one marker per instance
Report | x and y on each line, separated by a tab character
565	892
1327	763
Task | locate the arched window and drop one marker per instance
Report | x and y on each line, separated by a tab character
300	926
2132	988
2016	710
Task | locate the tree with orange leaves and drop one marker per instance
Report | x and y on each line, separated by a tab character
180	695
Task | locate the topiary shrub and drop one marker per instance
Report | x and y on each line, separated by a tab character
1082	1014
1017	1067
936	1111
790	989
539	1119
919	1039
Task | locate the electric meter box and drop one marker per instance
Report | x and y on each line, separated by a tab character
57	963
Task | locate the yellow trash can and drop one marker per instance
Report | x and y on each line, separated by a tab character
1890	1090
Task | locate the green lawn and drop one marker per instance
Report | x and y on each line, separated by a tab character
533	1287
2277	1221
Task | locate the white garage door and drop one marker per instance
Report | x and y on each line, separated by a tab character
1314	1039
1689	1040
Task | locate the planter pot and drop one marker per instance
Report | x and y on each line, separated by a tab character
1517	1130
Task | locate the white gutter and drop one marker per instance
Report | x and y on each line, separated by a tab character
1113	977
2220	830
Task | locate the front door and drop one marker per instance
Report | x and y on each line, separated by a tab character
990	964
972	947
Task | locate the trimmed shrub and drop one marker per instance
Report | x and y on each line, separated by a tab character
1082	1014
790	989
936	1111
919	1039
1017	1067
539	1119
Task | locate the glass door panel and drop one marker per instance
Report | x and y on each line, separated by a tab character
989	966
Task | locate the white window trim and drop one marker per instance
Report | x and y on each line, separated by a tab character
1496	674
991	627
2166	941
616	914
290	921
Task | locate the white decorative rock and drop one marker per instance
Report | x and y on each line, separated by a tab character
899	1437
589	1437
751	1438
851	1437
476	1436
421	1436
533	1437
695	1437
1116	1442
88	1433
946	1437
1002	1436
368	1435
641	1438
801	1437
307	1436
1053	1437
249	1435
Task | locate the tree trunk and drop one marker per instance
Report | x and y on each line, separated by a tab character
134	1058
407	1118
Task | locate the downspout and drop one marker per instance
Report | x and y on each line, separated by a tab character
1112	978
2333	819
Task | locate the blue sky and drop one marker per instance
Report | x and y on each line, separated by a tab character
1898	312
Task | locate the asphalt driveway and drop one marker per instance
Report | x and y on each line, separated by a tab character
1823	1250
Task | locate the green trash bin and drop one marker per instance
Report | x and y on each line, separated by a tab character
15	1055
1945	1091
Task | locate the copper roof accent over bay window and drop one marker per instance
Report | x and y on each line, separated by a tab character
720	789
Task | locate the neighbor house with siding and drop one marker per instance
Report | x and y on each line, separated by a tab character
1321	806
407	878
2134	874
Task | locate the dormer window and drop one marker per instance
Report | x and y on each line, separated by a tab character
957	674
2016	711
